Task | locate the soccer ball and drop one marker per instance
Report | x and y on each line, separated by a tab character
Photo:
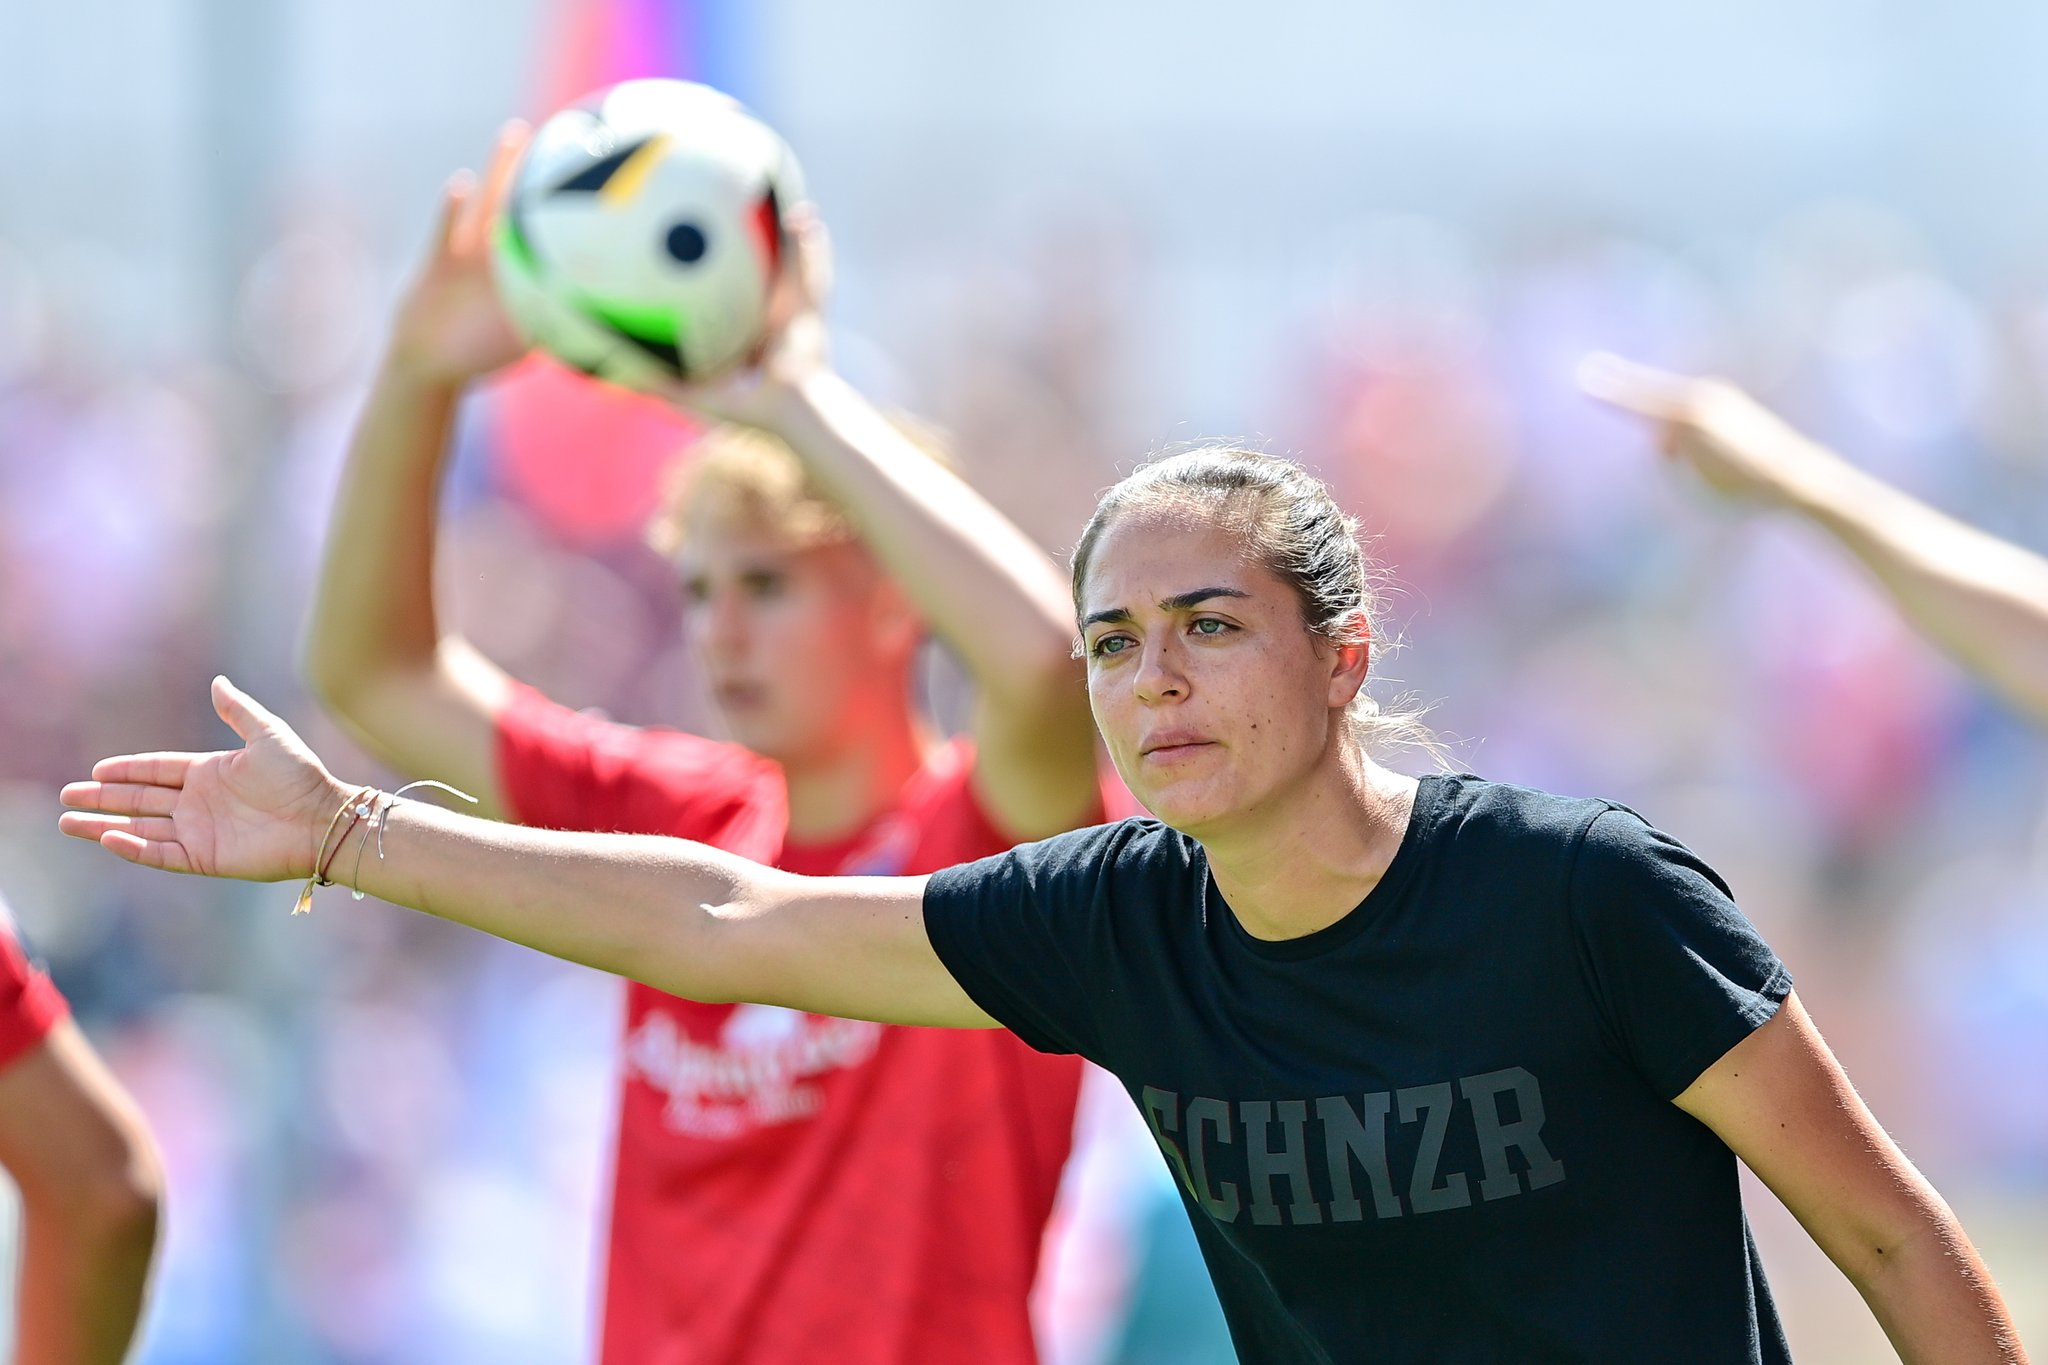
643	232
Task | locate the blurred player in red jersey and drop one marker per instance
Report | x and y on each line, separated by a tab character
788	1187
75	1145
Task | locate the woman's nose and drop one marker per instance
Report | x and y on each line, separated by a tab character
1159	676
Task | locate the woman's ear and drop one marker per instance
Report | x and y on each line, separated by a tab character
1350	659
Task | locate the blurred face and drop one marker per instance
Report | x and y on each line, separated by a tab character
1216	701
801	643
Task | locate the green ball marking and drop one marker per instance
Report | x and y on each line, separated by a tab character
655	322
656	328
513	246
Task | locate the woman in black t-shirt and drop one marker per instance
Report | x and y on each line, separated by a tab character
1445	1070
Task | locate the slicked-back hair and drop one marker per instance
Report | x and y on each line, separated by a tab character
1287	519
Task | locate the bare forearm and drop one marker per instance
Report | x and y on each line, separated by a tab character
1982	599
994	596
82	1282
422	701
684	918
1936	1302
636	906
373	608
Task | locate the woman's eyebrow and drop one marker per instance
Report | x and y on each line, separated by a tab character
1180	601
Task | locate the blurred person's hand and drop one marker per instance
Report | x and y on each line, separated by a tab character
766	390
450	327
257	813
1982	599
1738	446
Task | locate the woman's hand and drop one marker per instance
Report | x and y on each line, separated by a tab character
793	350
450	327
258	812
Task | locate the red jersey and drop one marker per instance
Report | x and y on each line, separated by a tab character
791	1187
29	1004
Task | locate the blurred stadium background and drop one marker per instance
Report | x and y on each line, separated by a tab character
1374	235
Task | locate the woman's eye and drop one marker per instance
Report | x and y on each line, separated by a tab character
1110	644
1209	625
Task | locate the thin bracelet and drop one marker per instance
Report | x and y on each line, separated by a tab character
304	904
379	804
382	809
320	877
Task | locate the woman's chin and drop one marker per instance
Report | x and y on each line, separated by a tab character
1190	812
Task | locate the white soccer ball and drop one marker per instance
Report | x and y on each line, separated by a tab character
644	231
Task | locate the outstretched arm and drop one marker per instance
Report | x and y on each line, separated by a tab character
90	1189
422	700
681	917
993	596
1982	599
1781	1102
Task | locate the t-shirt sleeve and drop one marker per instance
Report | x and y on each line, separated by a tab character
29	1003
566	769
1678	973
1013	930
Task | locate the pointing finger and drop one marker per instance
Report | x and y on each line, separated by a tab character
1638	388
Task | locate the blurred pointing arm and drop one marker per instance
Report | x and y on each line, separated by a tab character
1982	599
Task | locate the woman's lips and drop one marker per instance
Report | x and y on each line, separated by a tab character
1174	749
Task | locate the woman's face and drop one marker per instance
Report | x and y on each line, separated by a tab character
802	644
1214	698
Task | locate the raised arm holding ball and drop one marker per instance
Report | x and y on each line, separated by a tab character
788	1186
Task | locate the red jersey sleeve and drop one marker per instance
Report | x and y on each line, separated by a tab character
564	769
29	1004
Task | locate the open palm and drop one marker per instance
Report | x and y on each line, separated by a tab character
793	347
256	812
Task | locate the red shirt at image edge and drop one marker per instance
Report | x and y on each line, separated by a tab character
29	1004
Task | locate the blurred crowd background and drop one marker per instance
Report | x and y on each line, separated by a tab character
1374	236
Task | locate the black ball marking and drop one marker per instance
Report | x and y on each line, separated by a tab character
686	243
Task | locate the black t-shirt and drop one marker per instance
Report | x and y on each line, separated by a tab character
1439	1129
